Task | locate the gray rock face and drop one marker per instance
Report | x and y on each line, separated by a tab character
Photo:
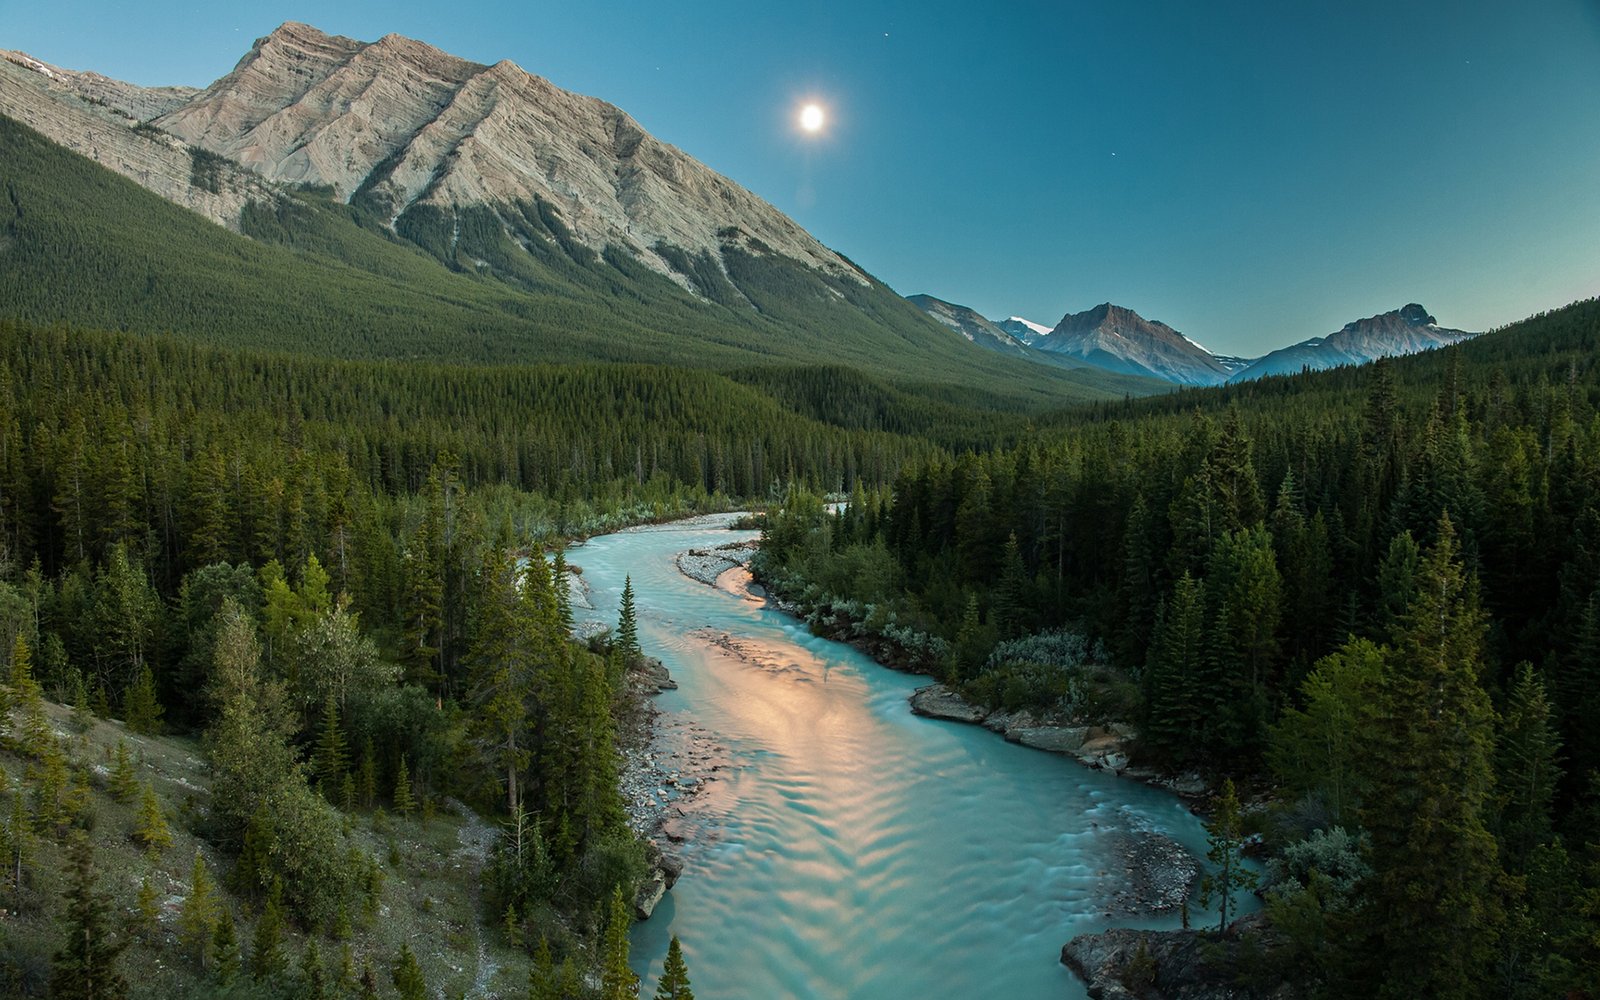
1056	739
969	324
405	124
68	108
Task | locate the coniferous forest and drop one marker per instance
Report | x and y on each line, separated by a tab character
1372	596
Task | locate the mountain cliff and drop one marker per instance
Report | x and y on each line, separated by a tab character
1407	330
1120	340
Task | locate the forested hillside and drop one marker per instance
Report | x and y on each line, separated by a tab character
1375	591
84	246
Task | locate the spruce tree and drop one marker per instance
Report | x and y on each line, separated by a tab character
197	921
313	976
542	984
627	621
407	976
674	982
617	979
561	580
225	948
147	908
332	757
1225	840
367	786
1527	770
404	802
266	946
86	966
142	709
124	780
151	826
1434	861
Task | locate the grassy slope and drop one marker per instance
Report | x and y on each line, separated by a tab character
81	244
429	896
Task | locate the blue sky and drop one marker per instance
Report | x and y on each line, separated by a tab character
1252	174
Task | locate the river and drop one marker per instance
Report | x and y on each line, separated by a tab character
850	849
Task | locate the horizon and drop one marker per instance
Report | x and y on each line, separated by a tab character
1248	207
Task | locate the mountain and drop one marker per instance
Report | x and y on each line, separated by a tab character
1120	340
1025	330
1407	330
403	203
969	324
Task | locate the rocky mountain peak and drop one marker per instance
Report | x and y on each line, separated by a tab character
409	128
1415	315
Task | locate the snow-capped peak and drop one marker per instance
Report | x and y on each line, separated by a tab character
1038	328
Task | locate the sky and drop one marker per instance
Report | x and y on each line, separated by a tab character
1250	173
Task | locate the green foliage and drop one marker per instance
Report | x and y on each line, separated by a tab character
674	982
86	966
150	825
407	976
1224	837
1527	770
197	920
617	980
628	622
1319	751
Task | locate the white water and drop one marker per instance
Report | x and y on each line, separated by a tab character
857	850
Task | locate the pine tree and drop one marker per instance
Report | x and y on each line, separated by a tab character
1177	678
617	979
1527	770
150	827
332	756
86	966
407	976
367	787
266	946
1431	744
627	621
141	708
542	984
197	921
561	580
225	948
147	908
404	802
313	977
1225	840
674	982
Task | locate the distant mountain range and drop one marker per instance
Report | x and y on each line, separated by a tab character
1117	339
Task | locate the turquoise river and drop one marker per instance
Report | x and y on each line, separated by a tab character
849	849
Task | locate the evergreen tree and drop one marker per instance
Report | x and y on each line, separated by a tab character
332	757
674	982
561	580
542	982
124	779
367	787
266	946
1225	840
627	621
225	948
1177	678
150	827
407	976
1434	862
141	707
617	980
404	802
313	977
19	841
1527	770
86	966
197	921
147	908
1320	750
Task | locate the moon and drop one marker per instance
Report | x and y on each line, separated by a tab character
812	117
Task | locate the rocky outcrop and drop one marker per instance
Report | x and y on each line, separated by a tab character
663	872
1128	964
705	565
1095	746
59	105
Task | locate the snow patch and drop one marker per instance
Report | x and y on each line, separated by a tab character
1038	328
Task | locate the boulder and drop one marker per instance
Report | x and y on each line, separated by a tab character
1056	739
939	702
649	895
